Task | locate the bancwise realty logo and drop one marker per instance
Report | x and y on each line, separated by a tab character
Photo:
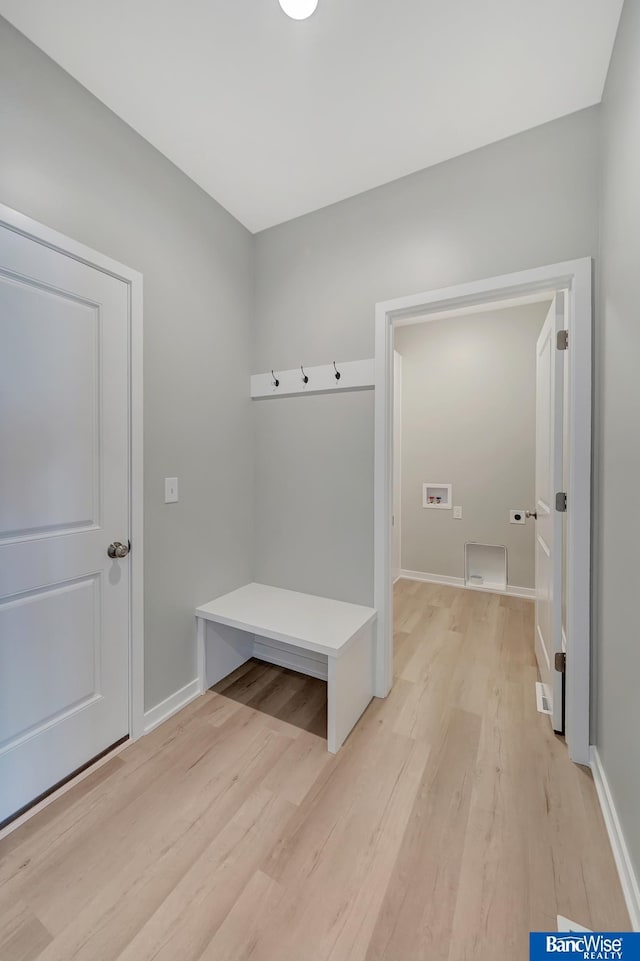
587	947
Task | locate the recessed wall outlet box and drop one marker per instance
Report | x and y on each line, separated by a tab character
170	490
438	496
457	513
517	517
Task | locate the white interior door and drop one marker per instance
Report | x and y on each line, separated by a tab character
549	473
396	559
64	496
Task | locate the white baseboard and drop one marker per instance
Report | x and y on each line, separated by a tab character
511	591
284	655
431	578
628	878
171	705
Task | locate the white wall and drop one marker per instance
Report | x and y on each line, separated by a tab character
69	162
468	418
523	202
617	572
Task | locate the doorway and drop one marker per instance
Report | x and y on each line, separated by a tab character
575	278
475	408
71	680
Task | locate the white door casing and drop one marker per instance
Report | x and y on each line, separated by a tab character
548	525
576	277
397	464
65	611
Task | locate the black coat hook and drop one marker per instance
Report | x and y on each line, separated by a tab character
305	379
276	382
337	372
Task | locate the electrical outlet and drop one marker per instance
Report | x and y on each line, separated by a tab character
457	513
170	490
517	517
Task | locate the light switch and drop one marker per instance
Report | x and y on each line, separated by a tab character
457	513
170	490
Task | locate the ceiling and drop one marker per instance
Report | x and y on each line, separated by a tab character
275	117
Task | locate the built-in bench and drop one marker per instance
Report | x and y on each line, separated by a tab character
324	638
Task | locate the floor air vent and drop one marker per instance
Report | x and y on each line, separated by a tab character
541	699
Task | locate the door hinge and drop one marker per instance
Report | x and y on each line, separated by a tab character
560	662
561	502
562	340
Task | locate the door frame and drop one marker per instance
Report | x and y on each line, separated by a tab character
396	452
40	233
576	277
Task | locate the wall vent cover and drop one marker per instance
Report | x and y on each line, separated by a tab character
542	701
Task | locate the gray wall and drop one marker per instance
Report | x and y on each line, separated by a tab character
617	668
523	202
69	162
468	418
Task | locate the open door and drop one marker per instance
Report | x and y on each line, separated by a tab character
549	507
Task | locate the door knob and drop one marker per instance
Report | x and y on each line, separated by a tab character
533	514
118	550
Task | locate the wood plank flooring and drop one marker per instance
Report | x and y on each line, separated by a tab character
449	825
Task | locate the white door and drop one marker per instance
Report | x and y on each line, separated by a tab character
549	472
396	560
64	496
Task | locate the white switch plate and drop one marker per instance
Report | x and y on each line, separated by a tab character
457	513
170	490
517	517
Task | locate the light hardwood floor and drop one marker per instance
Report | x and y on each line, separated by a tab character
449	825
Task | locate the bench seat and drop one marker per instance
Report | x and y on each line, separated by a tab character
325	638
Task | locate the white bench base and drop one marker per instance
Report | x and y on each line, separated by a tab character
326	639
